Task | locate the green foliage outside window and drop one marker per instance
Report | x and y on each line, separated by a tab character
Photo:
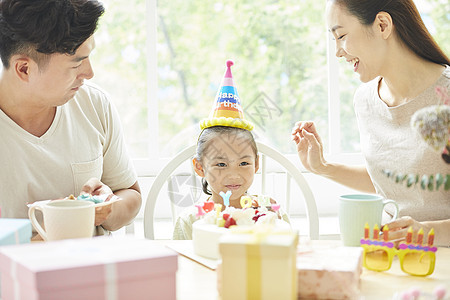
279	50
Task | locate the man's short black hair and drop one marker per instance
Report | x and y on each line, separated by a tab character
41	27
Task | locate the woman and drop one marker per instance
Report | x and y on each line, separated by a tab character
400	64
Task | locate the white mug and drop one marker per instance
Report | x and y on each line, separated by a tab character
64	219
355	210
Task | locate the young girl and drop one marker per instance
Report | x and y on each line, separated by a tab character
227	157
227	160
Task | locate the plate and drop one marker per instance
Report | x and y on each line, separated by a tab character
113	199
43	202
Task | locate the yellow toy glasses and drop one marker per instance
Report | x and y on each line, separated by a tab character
415	258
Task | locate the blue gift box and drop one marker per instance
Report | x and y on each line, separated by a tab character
14	231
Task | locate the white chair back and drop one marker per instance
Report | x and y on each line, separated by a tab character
291	172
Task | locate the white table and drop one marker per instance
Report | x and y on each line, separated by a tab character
195	281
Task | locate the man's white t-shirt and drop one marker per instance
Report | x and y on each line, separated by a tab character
85	140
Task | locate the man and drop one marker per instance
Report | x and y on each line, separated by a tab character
58	134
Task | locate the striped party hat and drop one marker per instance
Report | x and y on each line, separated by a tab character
227	109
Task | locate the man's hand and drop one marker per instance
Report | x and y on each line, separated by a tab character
115	215
102	213
96	188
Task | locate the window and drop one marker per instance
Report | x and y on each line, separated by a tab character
163	69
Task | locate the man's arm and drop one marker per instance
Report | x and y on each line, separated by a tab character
123	212
120	213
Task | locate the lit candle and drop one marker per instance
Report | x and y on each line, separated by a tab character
409	235
246	201
385	233
366	231
420	236
431	237
376	232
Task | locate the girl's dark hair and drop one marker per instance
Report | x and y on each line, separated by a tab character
209	133
36	27
407	21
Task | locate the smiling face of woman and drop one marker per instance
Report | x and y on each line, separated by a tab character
361	45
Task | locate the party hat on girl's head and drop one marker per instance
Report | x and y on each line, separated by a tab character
227	109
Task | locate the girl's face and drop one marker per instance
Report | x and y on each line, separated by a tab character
360	45
228	164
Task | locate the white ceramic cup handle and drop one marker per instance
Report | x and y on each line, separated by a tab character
387	201
34	221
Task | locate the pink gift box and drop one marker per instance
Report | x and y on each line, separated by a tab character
327	272
98	268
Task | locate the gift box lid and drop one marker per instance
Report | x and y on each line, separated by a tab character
80	262
274	243
14	231
344	259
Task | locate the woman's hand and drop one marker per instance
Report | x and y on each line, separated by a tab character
96	188
310	152
399	228
309	146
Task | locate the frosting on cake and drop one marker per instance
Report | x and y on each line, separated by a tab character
206	232
89	197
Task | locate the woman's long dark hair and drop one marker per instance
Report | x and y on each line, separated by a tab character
208	134
407	21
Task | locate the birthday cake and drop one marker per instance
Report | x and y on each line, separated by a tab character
207	231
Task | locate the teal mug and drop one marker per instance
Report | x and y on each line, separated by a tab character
355	210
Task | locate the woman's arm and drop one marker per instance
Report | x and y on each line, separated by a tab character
355	177
310	152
